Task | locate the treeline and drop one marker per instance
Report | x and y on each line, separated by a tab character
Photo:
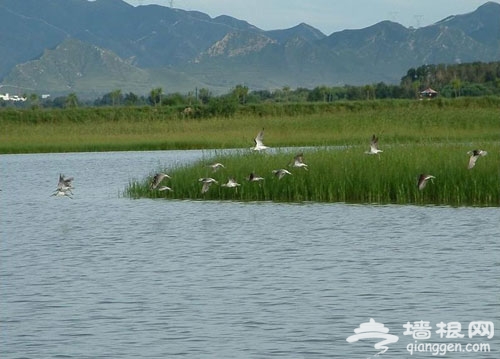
471	79
450	81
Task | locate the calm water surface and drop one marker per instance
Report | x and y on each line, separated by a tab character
102	276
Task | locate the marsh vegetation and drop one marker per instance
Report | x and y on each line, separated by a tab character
416	137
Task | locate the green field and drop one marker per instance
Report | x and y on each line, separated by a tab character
416	136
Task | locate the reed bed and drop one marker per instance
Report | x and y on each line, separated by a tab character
349	123
342	174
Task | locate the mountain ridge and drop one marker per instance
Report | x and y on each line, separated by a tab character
219	53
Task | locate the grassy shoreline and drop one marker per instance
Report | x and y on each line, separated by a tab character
339	123
416	136
342	175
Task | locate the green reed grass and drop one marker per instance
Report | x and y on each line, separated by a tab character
339	123
344	175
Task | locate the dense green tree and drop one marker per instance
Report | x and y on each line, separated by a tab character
155	96
240	92
131	99
204	95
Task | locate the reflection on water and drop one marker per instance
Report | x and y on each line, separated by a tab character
106	276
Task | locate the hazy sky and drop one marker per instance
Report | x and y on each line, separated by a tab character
326	15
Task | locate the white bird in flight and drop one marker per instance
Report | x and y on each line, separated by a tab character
474	155
216	166
374	146
231	183
298	161
259	145
422	180
165	188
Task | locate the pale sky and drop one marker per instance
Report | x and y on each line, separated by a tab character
326	15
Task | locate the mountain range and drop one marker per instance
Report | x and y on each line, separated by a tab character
94	47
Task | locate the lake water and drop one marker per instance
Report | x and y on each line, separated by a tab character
103	276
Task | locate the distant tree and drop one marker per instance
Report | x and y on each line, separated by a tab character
34	101
382	90
240	92
262	95
225	106
131	99
369	91
416	88
71	101
354	93
116	97
109	99
56	102
155	96
300	94
174	99
457	85
286	93
204	95
319	93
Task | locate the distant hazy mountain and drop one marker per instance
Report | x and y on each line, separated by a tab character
62	46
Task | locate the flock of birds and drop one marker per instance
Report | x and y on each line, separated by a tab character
206	182
298	162
64	186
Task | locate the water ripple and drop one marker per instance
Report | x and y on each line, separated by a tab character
104	276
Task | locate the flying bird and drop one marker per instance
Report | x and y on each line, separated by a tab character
281	173
231	183
165	188
65	183
216	166
254	178
298	161
157	179
474	155
259	144
64	187
374	146
422	180
207	182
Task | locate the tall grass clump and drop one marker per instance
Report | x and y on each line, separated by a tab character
343	174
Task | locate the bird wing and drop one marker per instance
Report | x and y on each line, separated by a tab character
374	143
472	161
422	181
206	186
259	138
156	180
64	183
